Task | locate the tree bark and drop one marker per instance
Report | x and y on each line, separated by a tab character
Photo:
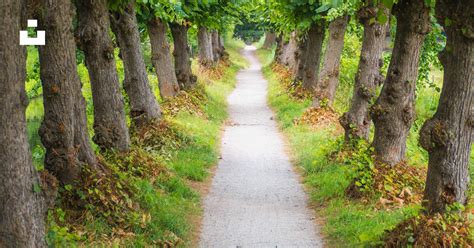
206	53
64	131
216	47
182	59
21	209
289	52
313	55
394	111
357	121
143	105
161	58
301	55
448	135
270	39
280	43
329	75
110	126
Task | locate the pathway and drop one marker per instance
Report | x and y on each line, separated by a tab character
255	198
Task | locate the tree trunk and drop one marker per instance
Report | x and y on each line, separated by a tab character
110	127
270	38
280	43
313	55
182	59
22	209
301	55
143	105
329	76
64	131
289	52
448	135
357	121
206	53
161	58
216	48
394	111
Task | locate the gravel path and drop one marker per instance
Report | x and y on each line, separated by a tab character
255	198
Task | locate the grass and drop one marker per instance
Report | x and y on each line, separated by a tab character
347	223
158	210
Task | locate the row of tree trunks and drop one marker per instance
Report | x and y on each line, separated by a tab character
206	47
182	56
109	116
161	58
21	209
270	40
329	75
448	135
394	111
357	121
313	55
143	105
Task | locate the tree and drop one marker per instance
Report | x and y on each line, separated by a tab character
289	52
110	126
448	135
22	208
329	75
313	55
143	105
182	57
205	43
357	121
155	15
161	58
394	111
270	39
64	131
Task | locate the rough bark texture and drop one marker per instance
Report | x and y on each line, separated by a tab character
270	39
394	111
313	55
329	75
280	43
301	55
64	131
217	48
21	209
182	59
143	105
448	135
357	121
206	53
288	58
161	58
110	127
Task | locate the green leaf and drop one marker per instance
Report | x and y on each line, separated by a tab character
382	18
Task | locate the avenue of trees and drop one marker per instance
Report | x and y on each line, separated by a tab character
296	27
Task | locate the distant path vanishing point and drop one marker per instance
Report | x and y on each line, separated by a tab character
255	199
